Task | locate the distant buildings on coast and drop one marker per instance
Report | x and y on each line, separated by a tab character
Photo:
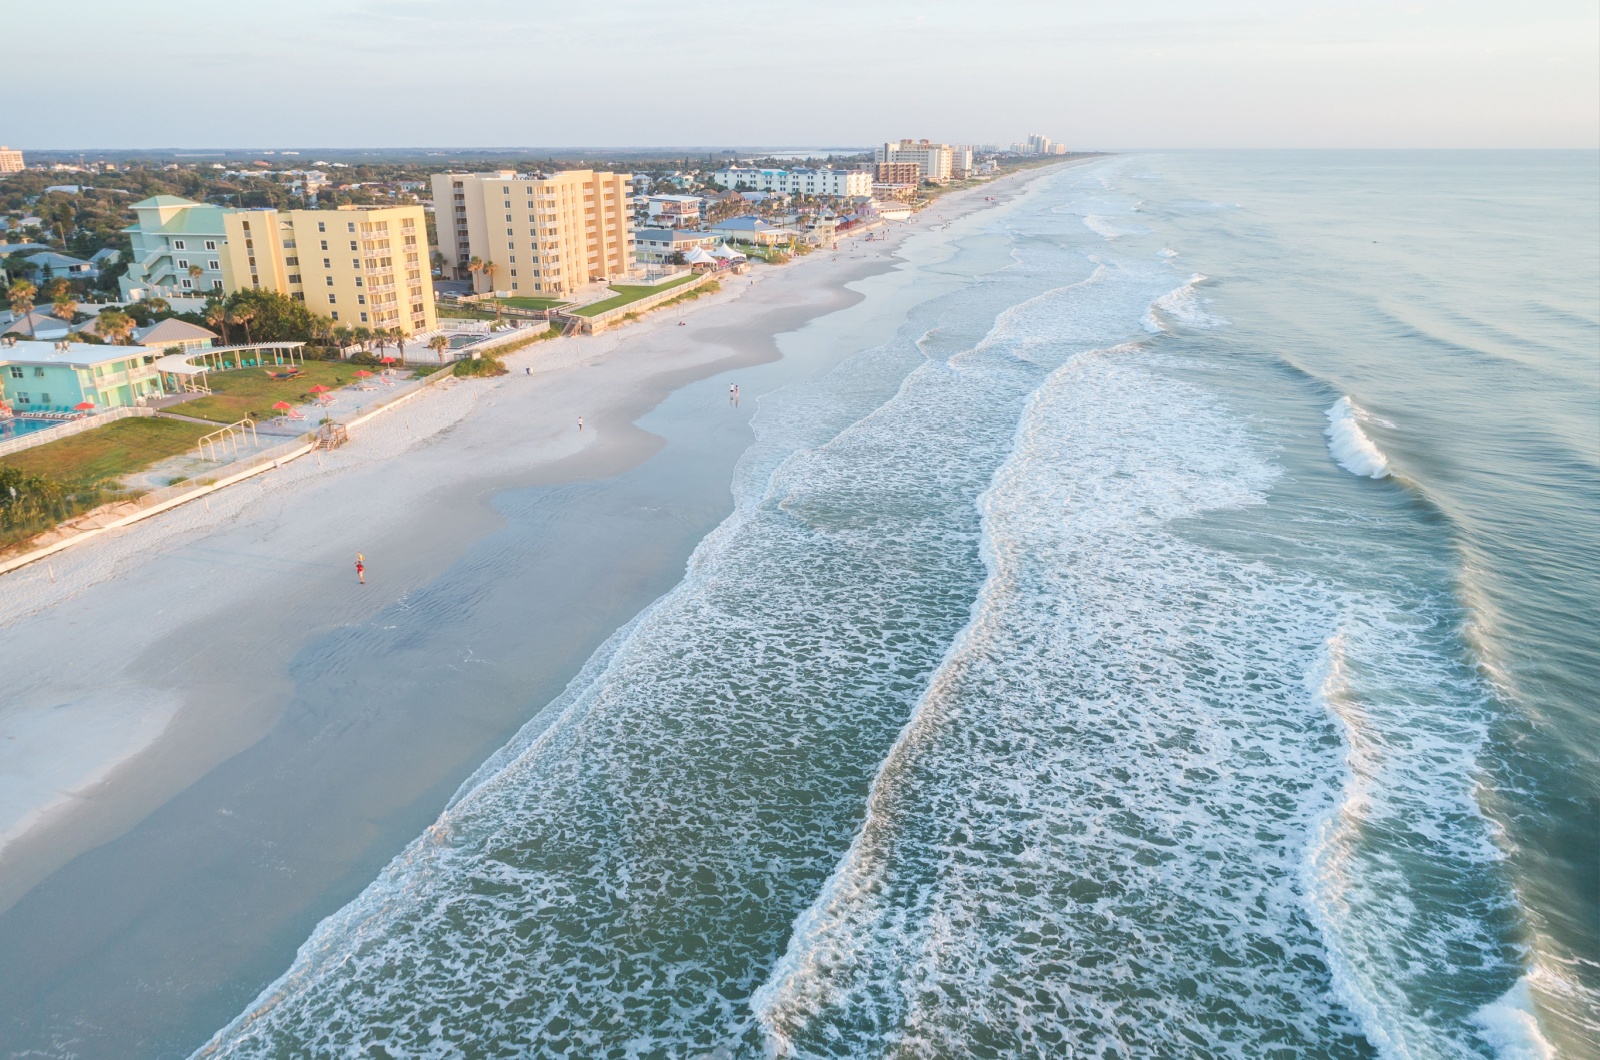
371	260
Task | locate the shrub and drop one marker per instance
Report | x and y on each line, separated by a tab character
484	365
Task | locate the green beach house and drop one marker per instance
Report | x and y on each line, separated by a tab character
56	377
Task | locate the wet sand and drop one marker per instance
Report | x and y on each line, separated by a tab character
213	736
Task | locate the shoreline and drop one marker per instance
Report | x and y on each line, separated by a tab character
210	701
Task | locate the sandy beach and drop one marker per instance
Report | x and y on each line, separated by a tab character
212	735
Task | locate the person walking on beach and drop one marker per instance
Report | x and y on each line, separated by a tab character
732	390
580	424
361	568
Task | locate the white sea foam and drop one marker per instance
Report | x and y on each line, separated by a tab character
1350	445
1168	253
1102	227
1181	306
1511	1027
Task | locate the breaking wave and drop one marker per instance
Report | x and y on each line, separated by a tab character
1349	444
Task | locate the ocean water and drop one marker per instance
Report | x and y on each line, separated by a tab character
1178	640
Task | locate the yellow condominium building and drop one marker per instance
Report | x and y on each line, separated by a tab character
362	266
543	234
10	160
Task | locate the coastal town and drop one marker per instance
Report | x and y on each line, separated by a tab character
174	325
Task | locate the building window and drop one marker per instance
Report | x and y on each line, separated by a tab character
335	313
216	285
294	277
324	244
322	227
351	225
513	285
327	263
186	283
328	280
361	299
214	265
363	318
211	244
22	398
16	371
177	244
183	263
352	244
44	397
291	261
358	281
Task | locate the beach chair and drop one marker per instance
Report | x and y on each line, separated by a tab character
294	414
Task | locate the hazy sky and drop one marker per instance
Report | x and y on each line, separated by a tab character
1140	73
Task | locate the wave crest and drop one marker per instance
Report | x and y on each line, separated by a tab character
1349	444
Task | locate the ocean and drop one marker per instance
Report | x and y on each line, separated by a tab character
1178	640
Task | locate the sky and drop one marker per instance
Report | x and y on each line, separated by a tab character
719	73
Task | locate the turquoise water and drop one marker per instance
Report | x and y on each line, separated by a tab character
17	427
1176	641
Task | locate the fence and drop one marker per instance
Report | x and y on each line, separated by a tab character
590	325
71	427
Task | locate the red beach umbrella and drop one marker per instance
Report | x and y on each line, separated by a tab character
388	360
320	389
83	406
362	373
282	406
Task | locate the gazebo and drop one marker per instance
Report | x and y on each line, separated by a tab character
186	372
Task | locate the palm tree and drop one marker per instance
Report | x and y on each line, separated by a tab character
65	306
400	341
342	336
475	265
115	325
438	344
363	335
20	295
217	317
380	338
157	304
242	315
195	272
489	270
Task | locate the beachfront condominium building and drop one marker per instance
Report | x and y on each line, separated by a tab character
822	181
361	266
897	173
933	160
544	234
10	160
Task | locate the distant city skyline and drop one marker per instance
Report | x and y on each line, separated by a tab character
1152	73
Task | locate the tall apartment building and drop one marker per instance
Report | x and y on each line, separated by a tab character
962	161
934	160
897	173
10	161
825	181
361	266
545	234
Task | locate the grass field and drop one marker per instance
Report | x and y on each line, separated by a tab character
116	449
625	295
457	312
251	393
520	302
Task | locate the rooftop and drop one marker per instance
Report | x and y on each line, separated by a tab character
74	355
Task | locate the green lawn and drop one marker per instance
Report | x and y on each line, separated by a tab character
624	295
457	312
116	449
251	392
520	302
